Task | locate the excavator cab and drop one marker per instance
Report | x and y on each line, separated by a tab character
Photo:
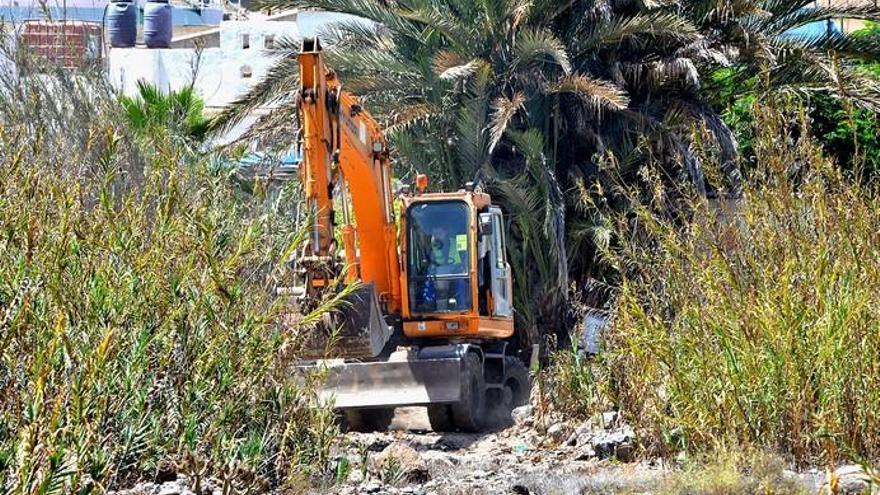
455	270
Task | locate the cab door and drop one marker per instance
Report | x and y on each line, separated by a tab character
501	282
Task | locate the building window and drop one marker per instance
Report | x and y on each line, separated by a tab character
269	41
245	41
246	71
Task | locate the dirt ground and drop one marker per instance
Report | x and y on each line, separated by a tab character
517	460
535	456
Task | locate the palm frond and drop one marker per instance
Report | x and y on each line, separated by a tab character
275	129
471	145
866	48
406	116
356	35
456	34
462	71
721	12
541	46
595	94
503	110
779	24
367	70
374	10
280	84
783	7
654	29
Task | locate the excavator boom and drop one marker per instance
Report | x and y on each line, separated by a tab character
346	169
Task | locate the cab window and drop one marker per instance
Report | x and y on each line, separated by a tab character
438	264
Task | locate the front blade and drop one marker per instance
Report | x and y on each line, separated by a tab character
393	384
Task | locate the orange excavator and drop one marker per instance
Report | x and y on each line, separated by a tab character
431	318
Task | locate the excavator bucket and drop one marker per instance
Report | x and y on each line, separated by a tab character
405	379
356	331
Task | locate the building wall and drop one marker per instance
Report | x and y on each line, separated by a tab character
848	25
221	73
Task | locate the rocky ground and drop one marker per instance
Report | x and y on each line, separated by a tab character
535	456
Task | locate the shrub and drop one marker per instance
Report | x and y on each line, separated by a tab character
752	323
136	318
757	325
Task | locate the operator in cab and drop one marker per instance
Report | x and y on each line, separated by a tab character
440	262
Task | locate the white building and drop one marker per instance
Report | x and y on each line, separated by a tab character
223	62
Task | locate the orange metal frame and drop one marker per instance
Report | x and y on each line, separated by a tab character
348	146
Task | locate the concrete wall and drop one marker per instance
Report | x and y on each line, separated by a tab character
222	73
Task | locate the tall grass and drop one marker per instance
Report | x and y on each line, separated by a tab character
137	323
753	323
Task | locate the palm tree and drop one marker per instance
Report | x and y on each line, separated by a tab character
179	113
466	71
757	38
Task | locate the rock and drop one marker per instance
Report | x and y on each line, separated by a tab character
523	415
400	462
166	470
170	488
616	444
480	474
520	490
377	444
584	452
355	477
580	435
849	479
373	487
609	419
439	463
558	431
209	487
625	452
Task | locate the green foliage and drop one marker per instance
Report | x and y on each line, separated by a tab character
849	134
753	323
847	130
578	383
177	113
137	322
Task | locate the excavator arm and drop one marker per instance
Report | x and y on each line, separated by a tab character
346	175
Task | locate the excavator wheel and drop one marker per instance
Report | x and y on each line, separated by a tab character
367	420
469	414
514	393
440	418
517	383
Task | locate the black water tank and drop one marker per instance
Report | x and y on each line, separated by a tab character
122	23
157	24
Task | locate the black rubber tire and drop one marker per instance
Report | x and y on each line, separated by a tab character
469	414
517	387
367	420
518	380
440	418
